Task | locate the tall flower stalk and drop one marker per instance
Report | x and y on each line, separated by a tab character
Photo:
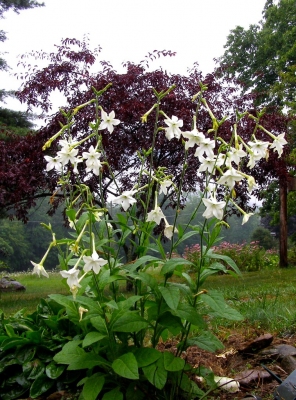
123	330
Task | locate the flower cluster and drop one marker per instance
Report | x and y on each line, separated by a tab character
68	152
222	163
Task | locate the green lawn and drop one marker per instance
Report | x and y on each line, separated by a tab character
36	288
267	299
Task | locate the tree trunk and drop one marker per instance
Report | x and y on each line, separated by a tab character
283	224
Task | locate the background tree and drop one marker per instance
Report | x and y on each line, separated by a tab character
10	120
263	57
264	238
20	243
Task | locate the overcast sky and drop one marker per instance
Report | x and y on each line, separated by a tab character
128	29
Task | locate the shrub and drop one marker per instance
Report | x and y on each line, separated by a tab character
264	238
247	256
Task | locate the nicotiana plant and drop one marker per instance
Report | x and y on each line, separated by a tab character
116	344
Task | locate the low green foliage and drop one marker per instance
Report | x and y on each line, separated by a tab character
27	347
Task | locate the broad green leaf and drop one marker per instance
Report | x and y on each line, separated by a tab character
69	350
227	259
191	387
13	342
146	356
171	295
148	280
216	302
100	324
212	269
172	264
171	322
126	366
93	386
190	314
156	373
190	281
9	330
185	236
172	363
130	321
66	301
71	214
114	394
77	358
34	336
25	353
92	337
82	220
40	386
128	303
86	361
206	341
142	260
35	367
106	279
92	305
112	304
53	371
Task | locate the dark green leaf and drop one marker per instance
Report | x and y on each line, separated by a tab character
146	356
148	280
114	394
156	373
92	337
143	260
227	259
100	324
13	342
53	371
126	366
172	264
93	386
171	295
71	214
190	314
130	321
206	341
172	363
217	303
40	386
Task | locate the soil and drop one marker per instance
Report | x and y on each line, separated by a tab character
235	358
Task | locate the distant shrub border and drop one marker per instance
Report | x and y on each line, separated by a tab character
247	256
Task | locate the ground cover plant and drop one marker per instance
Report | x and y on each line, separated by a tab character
105	340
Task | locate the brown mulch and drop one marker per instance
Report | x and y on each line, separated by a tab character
233	360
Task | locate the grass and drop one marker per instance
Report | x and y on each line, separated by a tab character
267	298
36	288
